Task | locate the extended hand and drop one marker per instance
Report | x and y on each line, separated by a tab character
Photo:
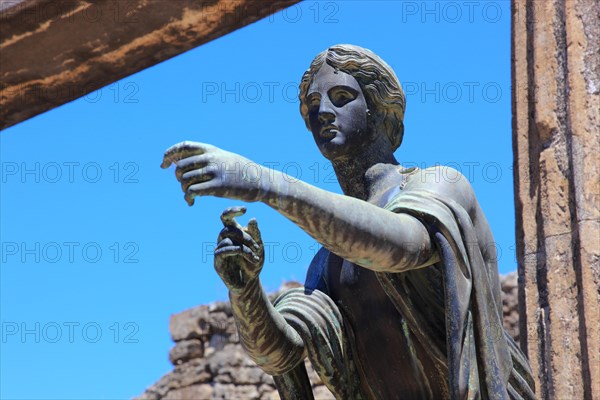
240	255
205	170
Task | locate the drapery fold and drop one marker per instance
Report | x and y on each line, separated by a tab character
319	322
481	359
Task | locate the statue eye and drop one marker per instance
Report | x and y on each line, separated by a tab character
342	96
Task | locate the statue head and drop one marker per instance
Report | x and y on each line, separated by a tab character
381	88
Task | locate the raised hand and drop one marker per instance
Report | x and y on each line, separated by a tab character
205	170
240	255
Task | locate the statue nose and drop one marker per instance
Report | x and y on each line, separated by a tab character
326	113
326	117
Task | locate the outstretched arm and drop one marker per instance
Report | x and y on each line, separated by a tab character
355	230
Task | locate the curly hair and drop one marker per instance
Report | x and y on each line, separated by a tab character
382	90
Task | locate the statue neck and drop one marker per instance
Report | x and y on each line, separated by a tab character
364	174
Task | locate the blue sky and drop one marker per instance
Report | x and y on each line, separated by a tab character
98	245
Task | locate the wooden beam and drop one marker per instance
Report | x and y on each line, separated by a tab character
54	51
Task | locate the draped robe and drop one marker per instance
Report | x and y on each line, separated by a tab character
452	308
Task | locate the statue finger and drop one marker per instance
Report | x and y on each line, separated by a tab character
228	216
231	232
183	150
192	192
195	176
249	255
228	251
206	188
190	164
239	235
253	230
237	250
224	242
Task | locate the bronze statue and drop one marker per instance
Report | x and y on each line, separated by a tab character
403	299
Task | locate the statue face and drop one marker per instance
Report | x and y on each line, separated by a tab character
337	113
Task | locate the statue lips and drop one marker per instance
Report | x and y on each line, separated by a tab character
328	132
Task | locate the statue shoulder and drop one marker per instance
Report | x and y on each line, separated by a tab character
446	182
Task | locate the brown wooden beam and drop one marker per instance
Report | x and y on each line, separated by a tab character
52	52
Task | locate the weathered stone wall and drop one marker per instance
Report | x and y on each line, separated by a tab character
556	140
209	362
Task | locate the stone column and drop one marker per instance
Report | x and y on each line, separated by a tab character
556	136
